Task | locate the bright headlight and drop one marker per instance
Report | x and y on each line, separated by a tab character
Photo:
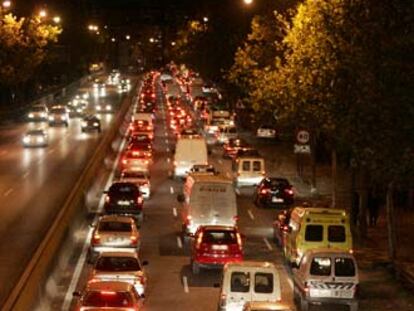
108	107
26	139
51	118
84	123
43	114
98	107
30	115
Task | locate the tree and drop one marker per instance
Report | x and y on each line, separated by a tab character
23	43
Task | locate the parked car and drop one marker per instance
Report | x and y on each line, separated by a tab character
215	246
120	266
273	191
112	295
266	131
326	276
114	233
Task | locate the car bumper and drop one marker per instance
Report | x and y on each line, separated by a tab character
248	181
340	301
216	262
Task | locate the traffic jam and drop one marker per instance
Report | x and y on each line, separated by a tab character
211	169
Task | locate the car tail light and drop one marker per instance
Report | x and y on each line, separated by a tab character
96	239
263	173
124	161
199	240
108	293
140	200
223	300
189	219
236	218
285	228
289	191
107	199
175	163
264	191
134	240
239	241
146	161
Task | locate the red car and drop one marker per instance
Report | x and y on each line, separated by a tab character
214	246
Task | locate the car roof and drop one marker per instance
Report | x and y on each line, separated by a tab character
117	218
211	178
119	254
266	305
109	286
324	251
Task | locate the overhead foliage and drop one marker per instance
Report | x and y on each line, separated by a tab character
23	43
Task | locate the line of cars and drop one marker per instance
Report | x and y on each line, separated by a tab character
118	280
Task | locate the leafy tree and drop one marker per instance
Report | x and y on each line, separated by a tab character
23	43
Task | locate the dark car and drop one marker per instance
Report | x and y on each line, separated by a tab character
231	148
124	198
274	191
91	123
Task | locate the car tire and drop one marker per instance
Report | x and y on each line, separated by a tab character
195	267
304	304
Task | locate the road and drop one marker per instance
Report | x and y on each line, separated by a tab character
171	284
34	183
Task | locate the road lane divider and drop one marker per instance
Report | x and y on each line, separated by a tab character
26	292
179	242
172	190
268	245
175	212
249	211
185	285
8	192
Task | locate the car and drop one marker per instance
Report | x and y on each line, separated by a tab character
77	110
58	115
203	169
103	107
232	146
124	86
214	246
189	133
248	171
139	178
113	233
281	226
35	138
111	295
140	126
37	113
135	160
266	131
138	140
99	88
326	276
124	198
265	306
91	123
273	191
120	266
226	133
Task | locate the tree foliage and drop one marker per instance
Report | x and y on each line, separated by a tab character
23	43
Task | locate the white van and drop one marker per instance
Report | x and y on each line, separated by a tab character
207	200
248	171
143	116
189	152
248	281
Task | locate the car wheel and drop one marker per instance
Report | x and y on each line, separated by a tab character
195	267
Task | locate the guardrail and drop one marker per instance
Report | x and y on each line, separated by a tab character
24	294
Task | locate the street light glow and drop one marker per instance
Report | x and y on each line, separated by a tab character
127	37
6	4
173	43
113	39
205	19
248	2
42	13
152	40
56	19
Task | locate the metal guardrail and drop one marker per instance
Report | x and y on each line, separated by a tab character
24	294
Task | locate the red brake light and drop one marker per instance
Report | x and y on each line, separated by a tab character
289	191
124	161
264	191
108	293
96	238
140	200
107	199
134	240
236	218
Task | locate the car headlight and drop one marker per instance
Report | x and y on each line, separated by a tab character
95	124
85	96
26	139
98	108
30	115
43	114
51	118
84	123
108	107
40	139
79	110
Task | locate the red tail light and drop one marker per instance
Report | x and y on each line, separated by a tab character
140	200
264	191
134	240
124	161
289	191
96	239
107	199
236	218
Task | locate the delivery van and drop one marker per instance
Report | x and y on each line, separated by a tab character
189	152
144	116
207	200
248	281
312	228
248	170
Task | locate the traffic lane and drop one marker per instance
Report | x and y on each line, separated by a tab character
37	198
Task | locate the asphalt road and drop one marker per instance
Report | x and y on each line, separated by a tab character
34	183
171	284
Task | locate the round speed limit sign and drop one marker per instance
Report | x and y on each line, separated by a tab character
302	136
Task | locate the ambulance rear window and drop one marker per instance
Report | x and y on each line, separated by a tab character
344	267
336	234
314	233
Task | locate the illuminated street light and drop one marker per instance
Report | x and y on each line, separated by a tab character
113	39
56	19
42	13
173	43
205	19
127	37
92	27
6	4
152	40
248	2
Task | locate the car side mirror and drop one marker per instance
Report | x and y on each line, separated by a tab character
216	285
180	198
76	294
145	263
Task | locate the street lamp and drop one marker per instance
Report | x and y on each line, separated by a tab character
113	39
205	19
127	37
248	2
173	43
56	19
6	4
42	13
152	40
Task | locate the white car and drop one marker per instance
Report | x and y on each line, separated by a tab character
266	131
103	108
58	115
141	179
37	113
35	138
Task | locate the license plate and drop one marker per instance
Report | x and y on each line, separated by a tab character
123	202
277	200
343	294
219	247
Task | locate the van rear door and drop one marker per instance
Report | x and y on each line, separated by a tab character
240	290
265	286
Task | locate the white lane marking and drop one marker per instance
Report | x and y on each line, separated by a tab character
8	192
220	161
166	141
25	175
290	282
82	258
3	152
168	160
172	190
175	212
185	284
250	214
269	246
228	175
179	242
50	151
168	149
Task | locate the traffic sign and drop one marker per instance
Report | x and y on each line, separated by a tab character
302	149
302	137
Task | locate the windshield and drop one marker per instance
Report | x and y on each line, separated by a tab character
38	109
114	226
108	299
58	110
126	188
117	264
219	237
321	266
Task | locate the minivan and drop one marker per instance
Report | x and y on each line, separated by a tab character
248	281
248	170
189	152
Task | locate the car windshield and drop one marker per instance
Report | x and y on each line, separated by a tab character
36	133
219	237
125	188
117	264
344	267
131	174
37	109
278	182
114	226
58	110
108	299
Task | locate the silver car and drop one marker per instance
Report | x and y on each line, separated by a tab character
37	113
35	138
139	178
120	266
114	233
103	108
58	115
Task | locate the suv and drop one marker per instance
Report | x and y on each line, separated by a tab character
124	198
326	276
58	115
215	246
273	191
114	233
